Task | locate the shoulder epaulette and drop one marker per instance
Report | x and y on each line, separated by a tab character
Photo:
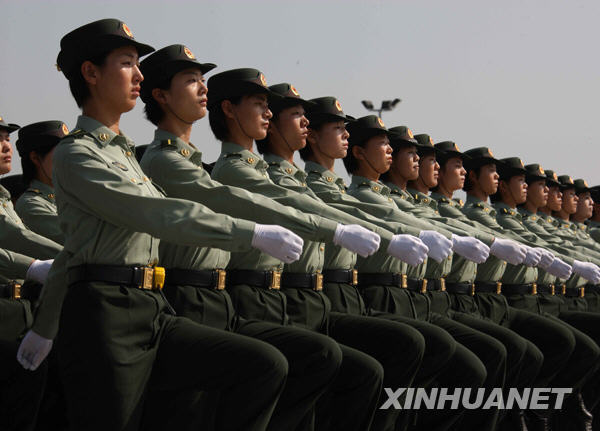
230	155
363	184
168	143
77	133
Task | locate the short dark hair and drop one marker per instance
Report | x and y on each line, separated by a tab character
216	119
262	145
350	162
396	146
307	151
152	109
29	169
468	185
78	85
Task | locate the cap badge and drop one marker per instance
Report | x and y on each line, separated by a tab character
570	180
263	81
338	106
431	140
293	90
490	153
585	183
456	148
380	121
410	133
522	165
64	129
126	30
554	176
188	53
541	171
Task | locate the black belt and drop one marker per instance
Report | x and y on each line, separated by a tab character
520	289
436	284
574	292
143	277
489	287
348	276
301	280
592	288
547	288
210	279
11	290
392	279
461	288
263	279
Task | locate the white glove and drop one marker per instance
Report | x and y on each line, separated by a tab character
508	250
408	248
533	256
38	270
560	269
439	246
547	258
470	248
356	239
33	350
278	242
587	270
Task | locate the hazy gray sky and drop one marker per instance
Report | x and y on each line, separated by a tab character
520	77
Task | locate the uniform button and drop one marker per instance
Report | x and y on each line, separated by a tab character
128	153
133	180
4	205
329	179
145	178
303	184
51	195
342	191
376	188
250	159
322	248
288	170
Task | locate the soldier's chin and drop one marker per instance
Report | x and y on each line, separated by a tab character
4	168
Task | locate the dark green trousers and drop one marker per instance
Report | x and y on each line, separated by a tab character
20	390
121	356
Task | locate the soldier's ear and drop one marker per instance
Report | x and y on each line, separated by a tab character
311	138
89	71
358	152
159	96
227	108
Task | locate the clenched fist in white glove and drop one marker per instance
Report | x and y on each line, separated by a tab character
533	256
408	248
560	269
278	242
33	350
38	270
356	239
508	250
587	270
439	246
547	258
470	248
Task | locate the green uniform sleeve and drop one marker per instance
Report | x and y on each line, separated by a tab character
14	265
16	237
39	216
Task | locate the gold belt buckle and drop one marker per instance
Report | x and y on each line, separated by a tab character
153	278
443	284
221	275
16	290
148	278
552	289
581	292
318	282
534	288
472	289
404	281
498	287
275	280
354	277
424	286
563	289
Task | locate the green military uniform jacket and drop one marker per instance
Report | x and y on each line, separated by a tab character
111	213
37	208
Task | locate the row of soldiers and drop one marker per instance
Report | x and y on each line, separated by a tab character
251	294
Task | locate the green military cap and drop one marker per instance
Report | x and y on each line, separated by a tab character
425	144
166	62
581	186
401	133
535	172
366	127
596	193
39	135
509	167
235	83
551	178
93	39
289	96
10	127
326	110
566	182
447	150
478	157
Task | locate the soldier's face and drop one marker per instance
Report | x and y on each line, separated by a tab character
518	188
554	198
292	126
429	170
537	193
330	140
6	152
252	114
116	84
488	179
186	96
406	163
569	201
585	206
376	154
453	174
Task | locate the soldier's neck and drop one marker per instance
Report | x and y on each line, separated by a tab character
443	190
420	186
529	206
321	159
545	210
577	219
99	113
396	178
43	178
281	149
563	215
178	128
367	172
478	193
